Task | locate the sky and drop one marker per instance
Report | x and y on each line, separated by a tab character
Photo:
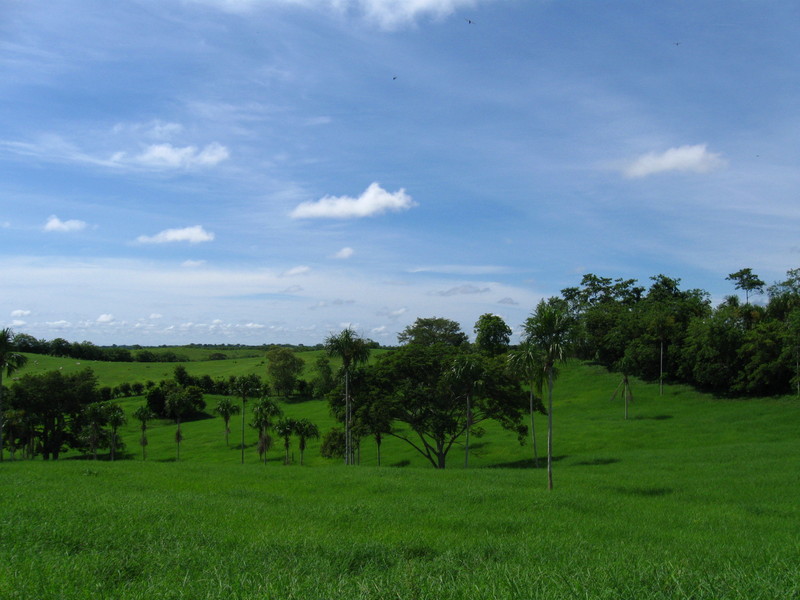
272	171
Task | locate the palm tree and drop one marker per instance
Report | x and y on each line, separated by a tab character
115	417
549	330
527	361
143	414
264	413
10	361
467	371
226	409
305	430
246	386
285	428
352	349
96	415
178	404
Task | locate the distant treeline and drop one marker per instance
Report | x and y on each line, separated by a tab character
60	347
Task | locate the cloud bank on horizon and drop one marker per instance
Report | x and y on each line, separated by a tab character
268	171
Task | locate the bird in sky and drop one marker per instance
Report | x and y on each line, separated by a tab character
470	21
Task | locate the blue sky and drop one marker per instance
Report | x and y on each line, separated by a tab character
248	171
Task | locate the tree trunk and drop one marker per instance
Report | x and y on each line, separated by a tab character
1	414
661	371
348	456
533	433
550	428
244	403
469	426
378	442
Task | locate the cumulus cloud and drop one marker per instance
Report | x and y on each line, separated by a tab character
18	323
193	235
344	253
105	318
56	224
20	313
508	300
374	201
467	288
298	270
167	156
192	264
694	159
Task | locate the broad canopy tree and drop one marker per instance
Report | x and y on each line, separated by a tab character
416	387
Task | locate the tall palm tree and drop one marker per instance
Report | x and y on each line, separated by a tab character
550	330
305	430
467	371
115	417
10	361
285	428
527	361
226	409
265	411
143	414
178	404
246	386
352	350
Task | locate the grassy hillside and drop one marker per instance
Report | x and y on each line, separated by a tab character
692	497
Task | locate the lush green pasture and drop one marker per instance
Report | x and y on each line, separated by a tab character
692	497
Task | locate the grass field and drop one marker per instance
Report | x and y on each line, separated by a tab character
692	497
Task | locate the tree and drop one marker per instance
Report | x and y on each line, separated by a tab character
115	417
226	409
526	361
433	330
467	371
323	382
178	405
285	428
352	350
96	417
283	367
748	281
549	331
265	411
10	362
305	430
417	388
492	335
143	414
246	386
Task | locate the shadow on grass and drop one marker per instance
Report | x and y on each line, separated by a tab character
402	463
526	463
644	492
653	418
597	462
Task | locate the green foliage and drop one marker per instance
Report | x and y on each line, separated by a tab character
431	331
284	367
492	335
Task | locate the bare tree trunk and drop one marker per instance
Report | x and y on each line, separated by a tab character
469	426
550	428
243	411
533	433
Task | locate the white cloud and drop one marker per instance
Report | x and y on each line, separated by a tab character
156	316
191	264
695	159
193	235
509	301
18	323
344	253
105	318
463	289
167	156
299	270
20	313
388	14
56	224
374	201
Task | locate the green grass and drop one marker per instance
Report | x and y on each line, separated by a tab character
692	497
